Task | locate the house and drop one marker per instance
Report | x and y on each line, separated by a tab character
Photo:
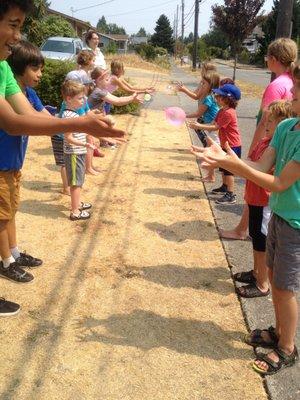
138	40
122	42
251	43
80	27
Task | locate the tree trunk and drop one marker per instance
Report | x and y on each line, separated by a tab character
234	66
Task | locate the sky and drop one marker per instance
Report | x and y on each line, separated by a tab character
133	14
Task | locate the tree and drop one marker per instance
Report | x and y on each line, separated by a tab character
237	19
141	32
215	38
269	29
115	29
102	25
189	39
56	26
163	34
32	26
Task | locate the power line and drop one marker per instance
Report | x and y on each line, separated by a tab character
192	8
95	5
191	16
142	9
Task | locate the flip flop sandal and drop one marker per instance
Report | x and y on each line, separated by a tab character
250	291
255	338
85	206
285	360
81	215
245	277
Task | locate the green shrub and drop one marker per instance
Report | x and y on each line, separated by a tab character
54	74
226	54
244	57
146	51
132	108
111	48
215	52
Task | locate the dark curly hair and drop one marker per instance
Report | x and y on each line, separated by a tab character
89	35
24	5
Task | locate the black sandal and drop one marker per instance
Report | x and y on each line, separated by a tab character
285	360
245	277
255	338
250	291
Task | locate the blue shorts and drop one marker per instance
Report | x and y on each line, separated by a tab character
238	152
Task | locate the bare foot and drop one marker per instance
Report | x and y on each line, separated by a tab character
234	235
207	179
66	192
92	172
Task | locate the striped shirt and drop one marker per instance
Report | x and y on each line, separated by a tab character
72	148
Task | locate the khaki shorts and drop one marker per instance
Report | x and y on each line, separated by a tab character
9	194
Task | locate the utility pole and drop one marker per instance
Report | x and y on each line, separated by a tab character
176	29
195	47
182	20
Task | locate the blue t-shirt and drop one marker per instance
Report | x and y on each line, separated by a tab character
13	148
212	109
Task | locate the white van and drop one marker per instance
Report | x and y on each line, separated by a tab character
61	48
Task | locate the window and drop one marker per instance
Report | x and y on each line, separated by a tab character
58	46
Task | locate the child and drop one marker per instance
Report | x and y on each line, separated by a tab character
257	199
26	62
283	241
207	111
100	95
116	80
206	67
85	64
227	97
281	56
75	149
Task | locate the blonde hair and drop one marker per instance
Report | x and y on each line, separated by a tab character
280	109
207	67
213	79
285	51
296	73
116	66
71	88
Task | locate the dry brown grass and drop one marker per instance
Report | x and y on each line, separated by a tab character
136	303
135	61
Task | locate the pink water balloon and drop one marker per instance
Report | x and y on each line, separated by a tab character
175	115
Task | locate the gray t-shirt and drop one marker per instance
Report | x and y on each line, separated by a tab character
96	99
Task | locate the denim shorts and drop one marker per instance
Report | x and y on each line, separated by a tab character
238	152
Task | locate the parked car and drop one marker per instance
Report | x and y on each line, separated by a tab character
61	48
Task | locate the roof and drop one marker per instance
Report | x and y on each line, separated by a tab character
119	37
78	21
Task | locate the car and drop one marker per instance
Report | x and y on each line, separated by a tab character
61	48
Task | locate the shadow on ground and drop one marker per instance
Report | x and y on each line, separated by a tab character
146	330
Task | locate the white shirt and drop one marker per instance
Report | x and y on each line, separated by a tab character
99	58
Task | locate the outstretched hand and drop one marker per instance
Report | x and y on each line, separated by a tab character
214	156
96	126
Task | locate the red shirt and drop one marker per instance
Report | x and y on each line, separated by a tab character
226	120
254	194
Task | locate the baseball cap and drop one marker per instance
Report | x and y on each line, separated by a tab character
79	77
228	90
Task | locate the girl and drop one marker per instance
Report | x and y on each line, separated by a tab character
281	57
207	111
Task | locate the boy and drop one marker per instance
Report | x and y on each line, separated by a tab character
17	116
283	241
227	97
26	63
75	149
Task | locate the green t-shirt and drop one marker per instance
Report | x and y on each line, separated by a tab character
286	143
8	84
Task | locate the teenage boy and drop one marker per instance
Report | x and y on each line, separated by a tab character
18	116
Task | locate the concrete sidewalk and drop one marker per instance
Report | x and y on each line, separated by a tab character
257	312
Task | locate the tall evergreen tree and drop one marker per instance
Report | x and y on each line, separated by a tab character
102	25
141	32
163	34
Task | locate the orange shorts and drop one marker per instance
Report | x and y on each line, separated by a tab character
9	193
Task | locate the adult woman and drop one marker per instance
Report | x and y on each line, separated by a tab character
92	41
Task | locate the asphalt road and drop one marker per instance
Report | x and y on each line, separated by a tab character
259	77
